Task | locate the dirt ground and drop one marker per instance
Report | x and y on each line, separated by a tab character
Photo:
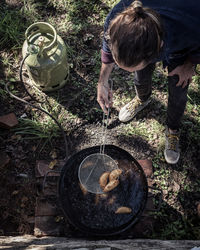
178	217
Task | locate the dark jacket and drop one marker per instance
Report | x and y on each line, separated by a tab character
181	22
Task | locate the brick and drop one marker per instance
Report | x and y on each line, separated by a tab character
198	209
149	207
147	167
42	167
8	121
150	182
46	226
144	227
4	159
49	188
44	208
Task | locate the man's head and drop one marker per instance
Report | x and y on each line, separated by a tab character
135	37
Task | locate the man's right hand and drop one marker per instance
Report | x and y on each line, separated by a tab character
104	96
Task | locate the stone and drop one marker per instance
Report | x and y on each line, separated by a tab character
144	227
29	242
42	167
14	3
147	167
46	226
198	209
176	187
48	187
150	182
150	204
44	208
81	248
4	159
8	121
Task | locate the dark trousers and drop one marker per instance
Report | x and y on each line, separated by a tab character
177	96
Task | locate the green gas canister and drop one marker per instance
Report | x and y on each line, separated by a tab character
47	57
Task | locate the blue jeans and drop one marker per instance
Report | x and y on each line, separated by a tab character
177	96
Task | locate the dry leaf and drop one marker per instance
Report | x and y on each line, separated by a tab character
52	164
58	218
111	200
15	192
53	154
83	189
34	148
24	199
16	137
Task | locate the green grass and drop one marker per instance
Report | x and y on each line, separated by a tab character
80	24
3	92
41	132
12	27
32	129
178	229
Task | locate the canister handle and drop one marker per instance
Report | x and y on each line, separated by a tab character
43	28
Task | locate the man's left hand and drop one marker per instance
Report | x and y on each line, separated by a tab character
185	73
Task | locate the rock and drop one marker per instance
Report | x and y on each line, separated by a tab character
14	3
176	187
147	167
198	209
66	243
23	116
165	191
4	159
46	225
8	121
42	167
44	208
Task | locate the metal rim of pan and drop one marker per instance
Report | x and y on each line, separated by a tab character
70	200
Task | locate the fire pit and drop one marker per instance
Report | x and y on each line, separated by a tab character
95	214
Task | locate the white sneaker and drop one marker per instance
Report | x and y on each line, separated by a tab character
130	110
172	150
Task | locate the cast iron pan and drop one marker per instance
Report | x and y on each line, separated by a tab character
95	214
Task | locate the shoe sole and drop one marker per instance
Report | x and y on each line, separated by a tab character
170	162
139	109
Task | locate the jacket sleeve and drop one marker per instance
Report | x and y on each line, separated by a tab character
194	56
106	55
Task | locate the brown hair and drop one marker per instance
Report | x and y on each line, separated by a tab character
135	35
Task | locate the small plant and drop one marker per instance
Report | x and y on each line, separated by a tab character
34	130
3	92
30	10
179	229
12	27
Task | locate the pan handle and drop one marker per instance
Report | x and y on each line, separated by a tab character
45	177
160	199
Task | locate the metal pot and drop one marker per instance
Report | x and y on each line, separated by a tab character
95	214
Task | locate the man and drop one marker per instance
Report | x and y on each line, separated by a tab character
139	34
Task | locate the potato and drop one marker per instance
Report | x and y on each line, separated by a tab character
97	196
123	210
83	189
111	185
103	196
111	200
103	180
115	174
87	164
